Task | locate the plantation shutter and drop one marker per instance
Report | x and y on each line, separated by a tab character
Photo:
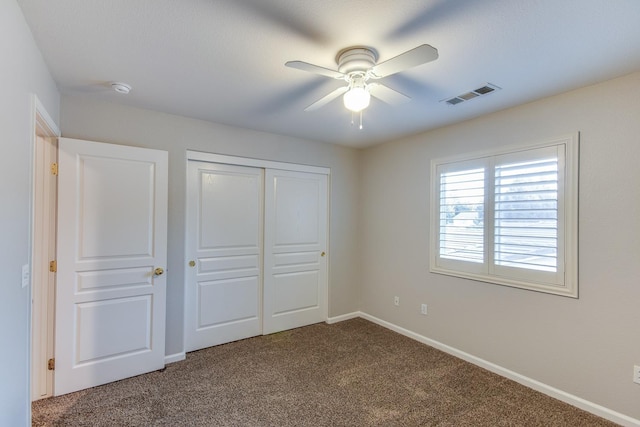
461	203
508	217
526	209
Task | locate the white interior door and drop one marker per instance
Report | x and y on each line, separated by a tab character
295	271
224	251
112	238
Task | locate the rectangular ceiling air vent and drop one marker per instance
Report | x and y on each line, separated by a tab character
483	90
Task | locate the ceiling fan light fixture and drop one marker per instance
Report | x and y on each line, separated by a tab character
357	99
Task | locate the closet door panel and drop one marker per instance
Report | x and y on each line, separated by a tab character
295	276
224	252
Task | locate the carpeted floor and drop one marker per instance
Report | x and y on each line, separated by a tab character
353	373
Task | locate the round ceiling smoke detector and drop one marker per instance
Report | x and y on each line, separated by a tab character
121	87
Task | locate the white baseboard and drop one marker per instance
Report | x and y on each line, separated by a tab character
176	357
343	317
576	401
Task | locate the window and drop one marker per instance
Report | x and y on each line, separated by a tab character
509	217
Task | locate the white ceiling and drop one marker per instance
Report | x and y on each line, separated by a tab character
223	60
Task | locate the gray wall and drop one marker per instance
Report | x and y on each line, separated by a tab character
24	73
586	346
118	124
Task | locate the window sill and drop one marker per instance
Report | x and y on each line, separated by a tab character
567	291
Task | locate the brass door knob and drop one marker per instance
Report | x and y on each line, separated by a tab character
192	263
322	254
158	271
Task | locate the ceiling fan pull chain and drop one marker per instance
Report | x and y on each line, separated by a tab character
360	119
352	118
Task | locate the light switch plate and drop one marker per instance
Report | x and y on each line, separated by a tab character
25	275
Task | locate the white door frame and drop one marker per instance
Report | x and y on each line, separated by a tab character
258	163
266	164
41	307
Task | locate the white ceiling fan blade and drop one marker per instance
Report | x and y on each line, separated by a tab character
386	94
326	99
411	58
316	69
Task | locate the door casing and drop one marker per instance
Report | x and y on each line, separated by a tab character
42	249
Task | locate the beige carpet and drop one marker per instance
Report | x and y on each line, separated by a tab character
353	373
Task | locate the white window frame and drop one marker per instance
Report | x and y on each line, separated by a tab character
565	280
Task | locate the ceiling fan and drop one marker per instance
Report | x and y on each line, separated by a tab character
357	66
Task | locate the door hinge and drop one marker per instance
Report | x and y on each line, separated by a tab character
51	364
53	266
54	169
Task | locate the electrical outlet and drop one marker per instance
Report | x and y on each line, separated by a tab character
423	309
636	374
396	301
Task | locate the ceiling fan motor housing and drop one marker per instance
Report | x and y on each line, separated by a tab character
357	59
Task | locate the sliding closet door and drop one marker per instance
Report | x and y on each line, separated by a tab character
223	300
295	265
